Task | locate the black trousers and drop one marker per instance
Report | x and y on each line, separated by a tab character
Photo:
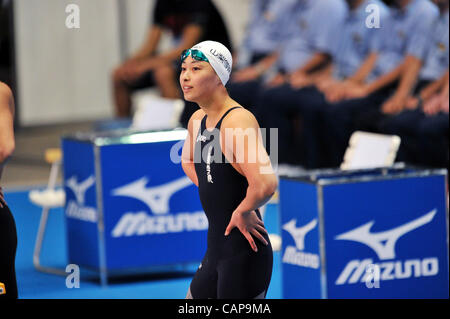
8	247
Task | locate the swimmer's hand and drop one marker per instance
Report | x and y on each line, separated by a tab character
248	223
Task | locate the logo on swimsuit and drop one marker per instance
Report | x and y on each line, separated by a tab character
383	244
201	138
294	254
208	166
76	208
157	200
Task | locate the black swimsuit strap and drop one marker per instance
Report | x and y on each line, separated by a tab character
221	119
203	122
223	116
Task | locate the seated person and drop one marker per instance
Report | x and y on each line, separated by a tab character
305	95
307	44
429	105
258	50
189	23
401	52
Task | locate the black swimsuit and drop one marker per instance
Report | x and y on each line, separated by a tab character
230	268
8	247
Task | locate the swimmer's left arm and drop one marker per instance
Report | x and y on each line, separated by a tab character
254	162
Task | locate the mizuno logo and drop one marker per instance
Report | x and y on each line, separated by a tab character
77	208
79	189
383	243
156	198
295	255
299	233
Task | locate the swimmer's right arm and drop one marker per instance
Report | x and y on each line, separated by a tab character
187	155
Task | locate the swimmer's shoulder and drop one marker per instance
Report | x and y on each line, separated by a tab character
5	91
240	118
197	115
194	121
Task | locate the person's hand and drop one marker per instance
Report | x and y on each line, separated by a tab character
277	80
246	74
127	72
356	91
2	199
336	92
299	80
394	105
326	84
133	69
248	224
412	103
432	106
444	105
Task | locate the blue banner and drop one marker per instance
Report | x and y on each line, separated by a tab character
382	236
153	215
300	240
387	239
151	212
81	203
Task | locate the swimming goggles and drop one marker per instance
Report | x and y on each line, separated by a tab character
196	55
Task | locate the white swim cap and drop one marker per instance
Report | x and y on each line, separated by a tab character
219	57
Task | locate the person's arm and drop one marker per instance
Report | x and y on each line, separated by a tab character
445	96
408	79
318	60
191	35
435	101
434	87
384	80
253	161
7	143
150	45
364	70
428	92
305	75
187	154
355	84
323	39
256	70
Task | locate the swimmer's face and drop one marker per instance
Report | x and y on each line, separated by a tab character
197	79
